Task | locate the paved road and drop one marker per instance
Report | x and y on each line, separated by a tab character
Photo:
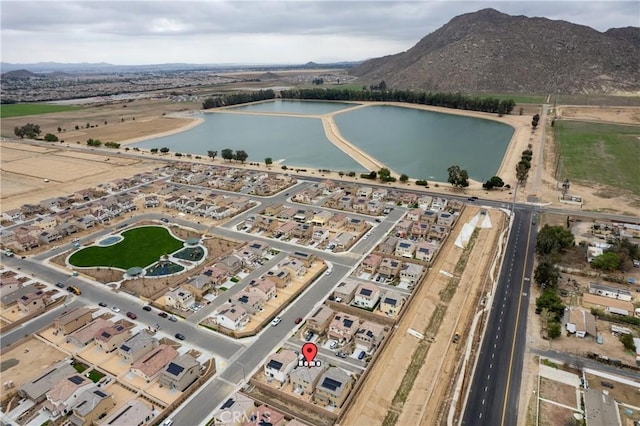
493	397
582	362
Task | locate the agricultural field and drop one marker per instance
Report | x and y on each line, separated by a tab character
595	153
140	247
21	110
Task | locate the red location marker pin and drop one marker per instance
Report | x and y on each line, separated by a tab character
309	351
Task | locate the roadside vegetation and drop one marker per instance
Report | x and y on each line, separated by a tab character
21	110
596	153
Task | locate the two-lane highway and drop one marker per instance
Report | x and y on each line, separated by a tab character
493	396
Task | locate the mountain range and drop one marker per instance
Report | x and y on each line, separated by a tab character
489	51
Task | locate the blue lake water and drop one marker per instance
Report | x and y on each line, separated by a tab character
422	144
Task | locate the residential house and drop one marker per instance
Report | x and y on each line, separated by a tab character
610	291
356	225
45	222
9	285
320	234
85	335
389	267
446	219
234	409
360	205
429	217
408	198
345	202
63	393
343	327
36	388
199	285
280	364
438	204
337	221
420	230
285	231
287	214
263	287
281	277
272	209
333	387
438	232
368	336
322	218
136	346
259	248
403	228
252	302
601	409
391	302
153	362
388	245
379	194
87	221
411	273
72	320
231	316
216	276
405	248
33	302
293	266
580	322
232	264
304	380
425	251
424	201
47	237
13	215
370	263
133	412
345	291
110	338
151	201
343	241
90	406
367	296
180	298
302	231
364	191
320	320
302	216
180	373
266	224
12	297
414	214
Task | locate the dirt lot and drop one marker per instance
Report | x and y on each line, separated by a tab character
558	392
620	392
554	415
32	356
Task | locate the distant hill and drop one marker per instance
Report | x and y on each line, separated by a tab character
489	51
18	74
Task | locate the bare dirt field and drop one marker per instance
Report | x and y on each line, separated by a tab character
558	392
32	356
629	115
555	415
620	392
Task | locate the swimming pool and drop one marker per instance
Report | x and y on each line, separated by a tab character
110	240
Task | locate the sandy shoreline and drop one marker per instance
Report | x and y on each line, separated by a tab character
194	121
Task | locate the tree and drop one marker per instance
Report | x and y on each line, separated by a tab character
384	174
50	137
154	150
29	130
607	261
404	178
458	177
494	182
164	150
240	155
212	154
554	330
550	300
59	129
227	154
552	240
546	273
268	161
534	124
627	342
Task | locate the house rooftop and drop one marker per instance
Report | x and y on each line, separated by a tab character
134	412
153	362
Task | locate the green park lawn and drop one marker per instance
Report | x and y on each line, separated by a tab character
140	247
604	154
19	110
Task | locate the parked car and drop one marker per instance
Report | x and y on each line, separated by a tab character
165	220
132	315
173	318
276	321
607	384
341	354
333	344
146	308
378	220
115	309
180	336
59	285
298	320
361	354
163	314
104	305
308	336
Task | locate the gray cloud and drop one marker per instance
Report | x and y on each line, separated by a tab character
252	31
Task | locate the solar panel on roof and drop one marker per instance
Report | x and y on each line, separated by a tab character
175	369
105	335
125	348
276	365
331	384
347	322
76	379
389	301
365	292
227	404
100	394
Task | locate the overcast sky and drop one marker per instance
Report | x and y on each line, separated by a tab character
253	32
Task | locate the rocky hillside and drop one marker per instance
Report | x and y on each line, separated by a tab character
489	51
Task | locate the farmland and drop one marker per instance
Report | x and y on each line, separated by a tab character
21	110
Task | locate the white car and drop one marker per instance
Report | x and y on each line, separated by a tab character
115	309
276	321
328	272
